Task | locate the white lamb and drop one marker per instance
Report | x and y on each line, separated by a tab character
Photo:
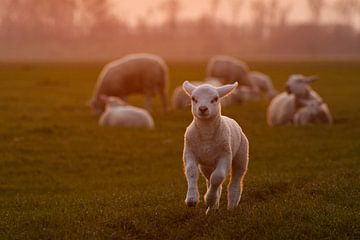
118	114
215	145
313	113
137	73
228	70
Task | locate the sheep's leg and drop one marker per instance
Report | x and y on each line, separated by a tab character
212	196
148	102
238	172
192	174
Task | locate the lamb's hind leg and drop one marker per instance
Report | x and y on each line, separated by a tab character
239	167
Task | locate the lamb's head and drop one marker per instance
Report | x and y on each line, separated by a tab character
313	106
205	99
111	101
299	84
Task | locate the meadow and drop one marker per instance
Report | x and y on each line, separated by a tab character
64	177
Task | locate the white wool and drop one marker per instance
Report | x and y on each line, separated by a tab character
281	109
228	70
214	145
314	112
117	114
137	73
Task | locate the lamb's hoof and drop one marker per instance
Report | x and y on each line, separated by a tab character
191	203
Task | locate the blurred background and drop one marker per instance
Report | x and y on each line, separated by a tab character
179	29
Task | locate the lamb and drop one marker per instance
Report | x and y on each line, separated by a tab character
118	114
214	145
283	107
314	112
137	73
228	70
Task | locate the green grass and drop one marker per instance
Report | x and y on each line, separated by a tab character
63	177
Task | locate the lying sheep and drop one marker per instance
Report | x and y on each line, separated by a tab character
215	145
138	73
262	83
118	114
314	112
228	70
283	107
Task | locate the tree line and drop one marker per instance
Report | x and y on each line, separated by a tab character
82	28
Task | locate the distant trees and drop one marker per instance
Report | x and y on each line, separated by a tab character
346	10
171	9
316	8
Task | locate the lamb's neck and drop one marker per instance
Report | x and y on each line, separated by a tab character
207	128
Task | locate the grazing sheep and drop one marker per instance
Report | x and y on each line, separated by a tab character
228	70
314	112
118	114
138	73
262	83
215	145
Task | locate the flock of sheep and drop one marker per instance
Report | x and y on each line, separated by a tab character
214	145
148	75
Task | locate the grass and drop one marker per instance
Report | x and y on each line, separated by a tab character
63	177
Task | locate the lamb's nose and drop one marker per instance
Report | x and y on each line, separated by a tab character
203	109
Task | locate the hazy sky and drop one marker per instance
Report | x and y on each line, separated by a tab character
132	9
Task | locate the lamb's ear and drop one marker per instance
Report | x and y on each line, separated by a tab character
188	87
226	89
311	79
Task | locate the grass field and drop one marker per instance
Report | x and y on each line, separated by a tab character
63	177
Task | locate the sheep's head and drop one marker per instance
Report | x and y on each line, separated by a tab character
111	101
205	99
299	84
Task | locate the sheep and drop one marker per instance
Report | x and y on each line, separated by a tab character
283	107
262	83
135	73
228	70
213	145
314	112
118	114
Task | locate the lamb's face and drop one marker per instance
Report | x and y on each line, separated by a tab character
205	99
205	102
313	106
299	84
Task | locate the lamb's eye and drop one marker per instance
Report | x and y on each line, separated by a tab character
215	99
194	100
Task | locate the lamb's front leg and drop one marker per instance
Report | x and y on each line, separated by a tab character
212	196
192	174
